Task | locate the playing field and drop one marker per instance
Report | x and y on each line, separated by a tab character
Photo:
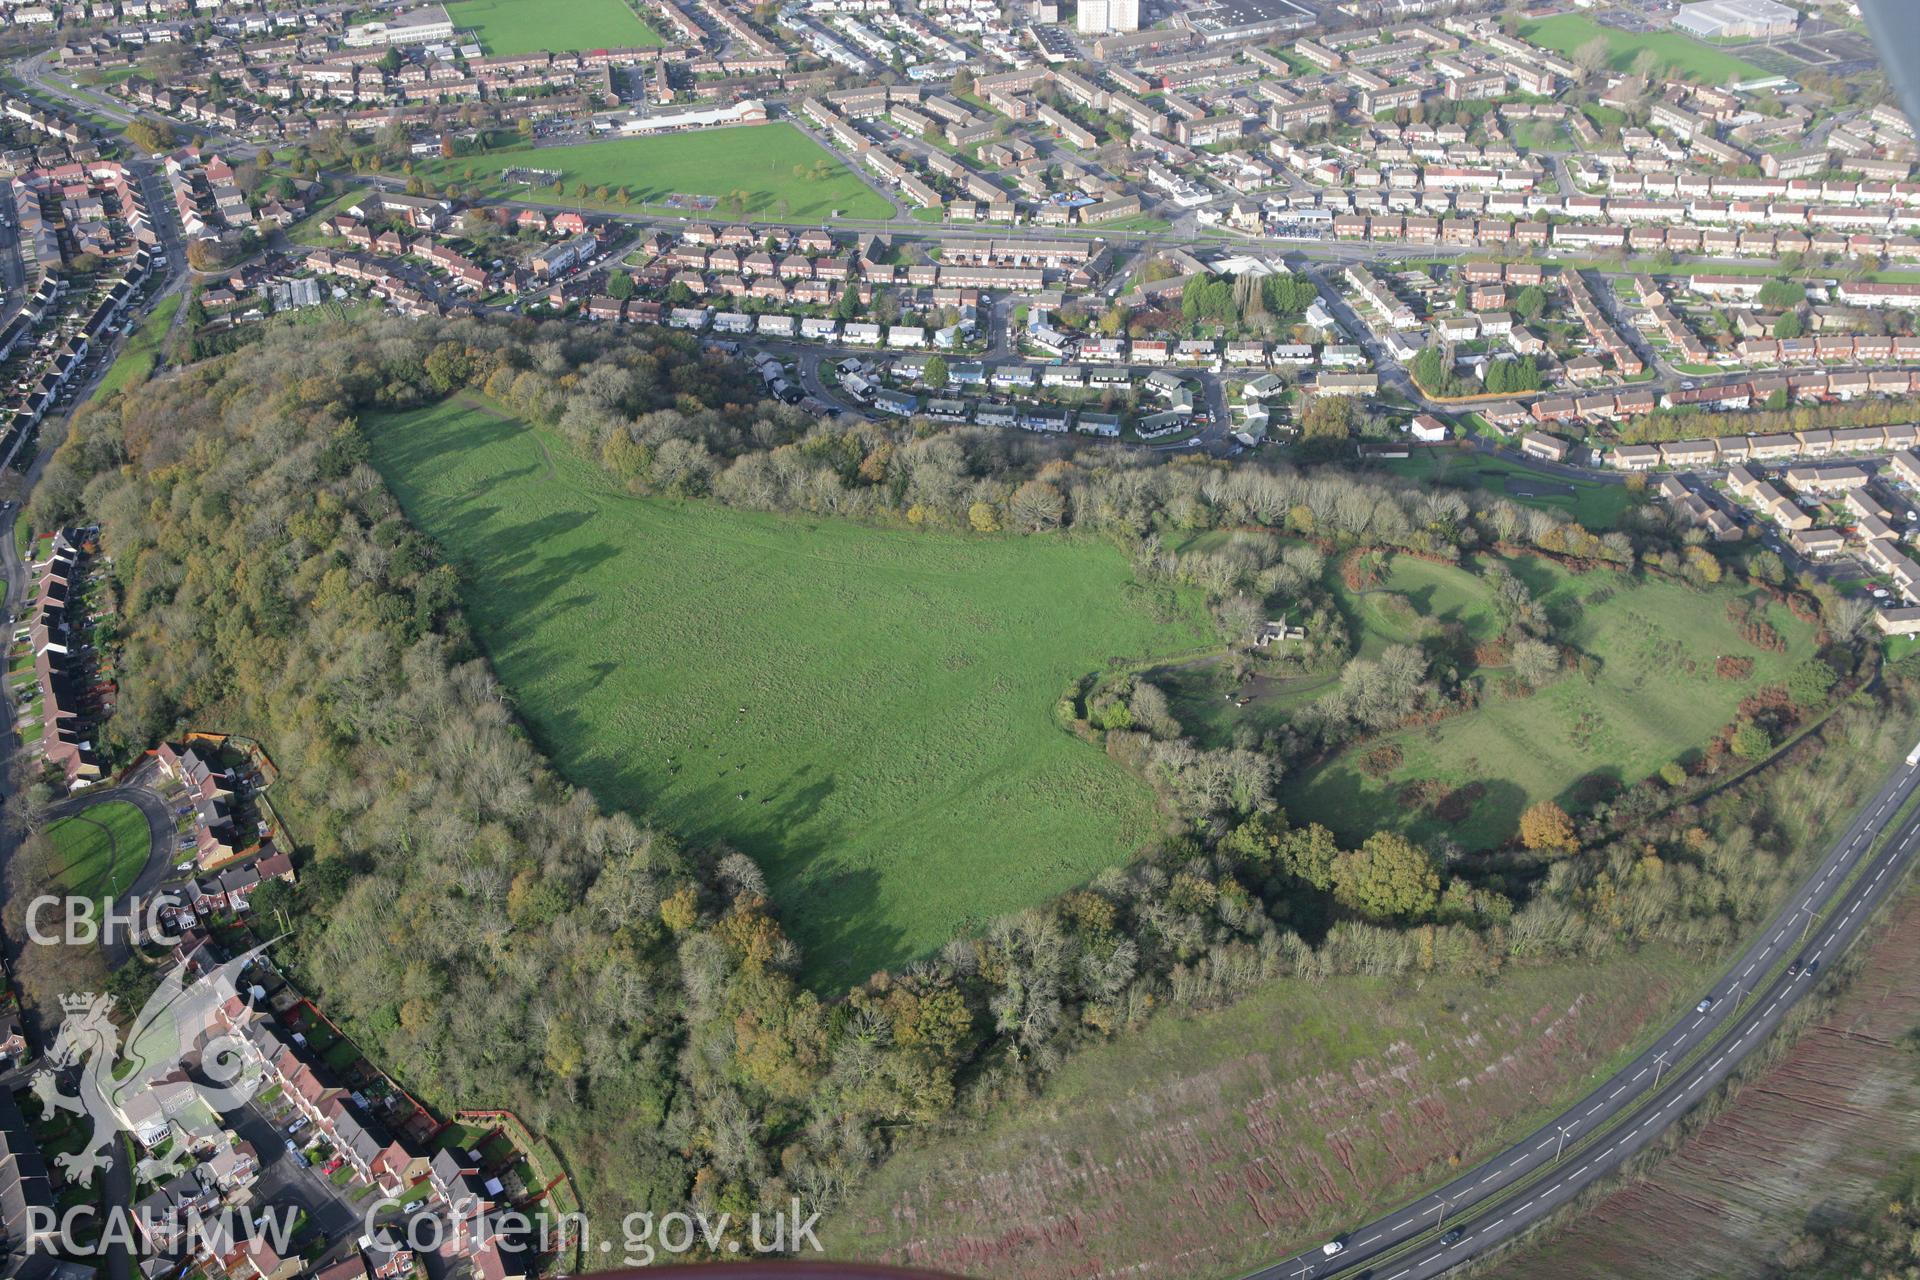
1682	55
784	173
1655	697
525	26
102	850
869	713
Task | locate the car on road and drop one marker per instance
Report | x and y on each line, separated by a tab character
1334	1247
1704	1005
1454	1236
293	1149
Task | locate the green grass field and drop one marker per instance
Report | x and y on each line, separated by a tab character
1682	55
1594	504
868	712
136	360
524	26
1655	697
102	850
758	159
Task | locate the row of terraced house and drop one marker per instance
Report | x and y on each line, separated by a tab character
396	1166
69	699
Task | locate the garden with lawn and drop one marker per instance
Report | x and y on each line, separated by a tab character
869	712
781	171
533	26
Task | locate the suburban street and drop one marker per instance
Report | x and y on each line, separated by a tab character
1561	1158
283	1181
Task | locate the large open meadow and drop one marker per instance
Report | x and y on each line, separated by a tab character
527	26
785	173
1680	54
867	712
1654	697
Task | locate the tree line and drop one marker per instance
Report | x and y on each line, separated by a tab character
494	938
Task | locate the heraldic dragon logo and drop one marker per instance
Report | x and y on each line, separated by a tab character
186	1046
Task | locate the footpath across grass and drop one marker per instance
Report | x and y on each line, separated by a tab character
785	173
529	26
867	712
101	850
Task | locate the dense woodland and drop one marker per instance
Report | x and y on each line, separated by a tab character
493	938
